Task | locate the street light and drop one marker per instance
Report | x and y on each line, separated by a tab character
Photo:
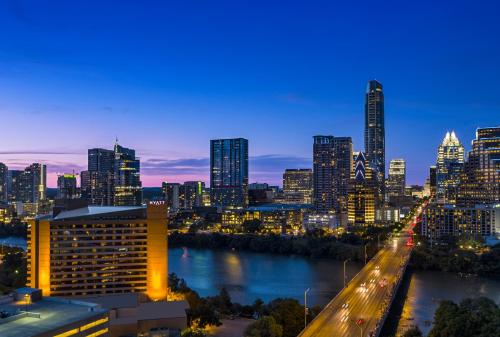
305	307
344	271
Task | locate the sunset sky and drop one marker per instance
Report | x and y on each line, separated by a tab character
166	78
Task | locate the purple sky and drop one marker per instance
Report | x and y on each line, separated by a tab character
165	78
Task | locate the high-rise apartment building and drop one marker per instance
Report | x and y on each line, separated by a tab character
332	167
229	172
99	251
396	182
480	181
171	192
323	165
127	179
66	186
362	193
3	183
449	166
297	186
375	132
29	185
191	194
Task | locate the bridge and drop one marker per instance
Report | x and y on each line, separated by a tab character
361	308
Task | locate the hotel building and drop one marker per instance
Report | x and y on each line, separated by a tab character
94	250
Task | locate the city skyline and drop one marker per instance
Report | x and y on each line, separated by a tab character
164	89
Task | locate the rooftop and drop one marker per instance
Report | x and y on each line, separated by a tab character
47	314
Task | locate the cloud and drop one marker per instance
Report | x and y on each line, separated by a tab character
31	152
266	168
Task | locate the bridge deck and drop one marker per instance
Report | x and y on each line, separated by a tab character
365	303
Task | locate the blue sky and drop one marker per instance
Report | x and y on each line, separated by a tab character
166	77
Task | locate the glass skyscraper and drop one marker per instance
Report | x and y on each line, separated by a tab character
375	132
450	160
229	172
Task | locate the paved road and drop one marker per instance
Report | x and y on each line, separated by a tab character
366	302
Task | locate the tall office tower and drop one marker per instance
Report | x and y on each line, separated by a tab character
31	184
100	250
97	183
3	183
66	186
480	181
171	193
323	165
375	132
362	193
450	160
396	182
297	186
342	169
191	194
229	172
128	186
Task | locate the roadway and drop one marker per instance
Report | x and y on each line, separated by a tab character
358	308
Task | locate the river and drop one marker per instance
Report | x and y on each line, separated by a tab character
248	276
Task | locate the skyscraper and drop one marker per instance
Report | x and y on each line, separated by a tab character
127	179
342	168
229	172
30	185
375	132
297	186
97	183
323	165
480	181
362	193
3	183
396	182
66	186
450	160
332	167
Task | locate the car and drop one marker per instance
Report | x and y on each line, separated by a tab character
344	318
363	284
372	280
345	305
377	267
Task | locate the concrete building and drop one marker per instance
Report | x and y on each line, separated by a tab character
297	186
66	187
472	222
88	251
396	181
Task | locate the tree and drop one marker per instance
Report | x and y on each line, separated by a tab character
264	327
413	332
289	314
193	332
479	317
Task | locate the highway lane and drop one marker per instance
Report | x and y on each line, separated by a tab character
363	303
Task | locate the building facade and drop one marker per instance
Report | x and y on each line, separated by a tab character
66	187
297	186
396	181
362	193
97	183
95	250
471	222
375	132
480	181
323	167
449	166
229	172
127	177
4	197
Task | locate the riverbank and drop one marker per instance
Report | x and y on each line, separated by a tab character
309	246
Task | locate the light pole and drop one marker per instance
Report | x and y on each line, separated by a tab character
344	270
305	307
365	254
